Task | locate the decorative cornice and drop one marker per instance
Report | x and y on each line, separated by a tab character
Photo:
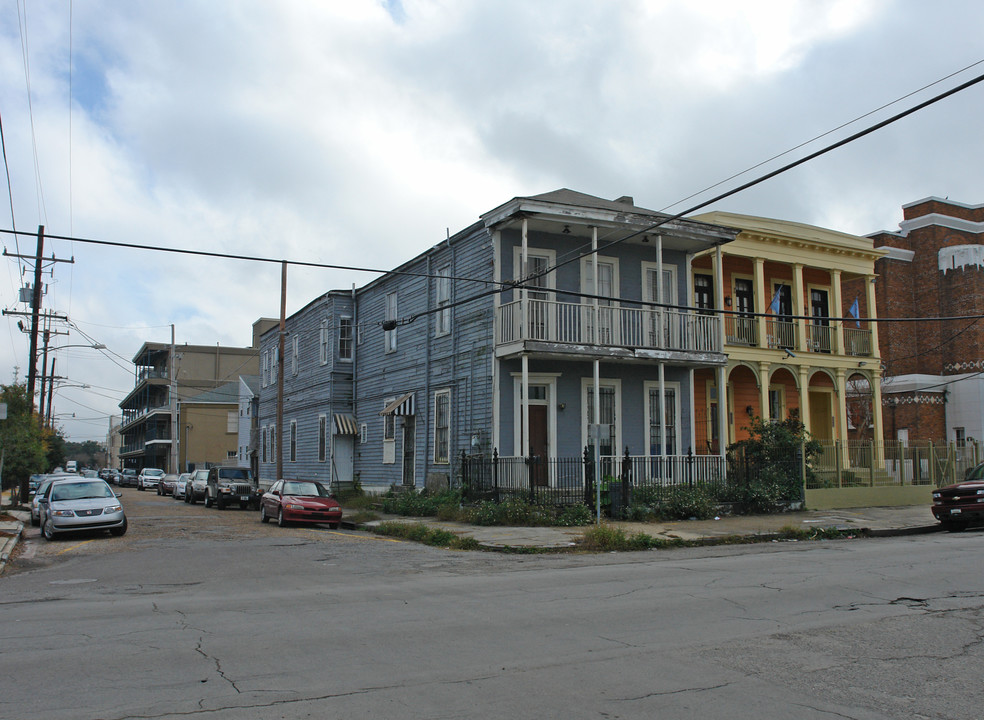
915	399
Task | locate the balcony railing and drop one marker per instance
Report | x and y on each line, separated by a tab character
740	330
150	373
584	324
782	334
820	337
857	342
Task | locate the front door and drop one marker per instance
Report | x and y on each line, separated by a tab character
538	443
341	458
820	327
409	449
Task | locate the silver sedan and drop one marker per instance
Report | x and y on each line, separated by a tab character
81	504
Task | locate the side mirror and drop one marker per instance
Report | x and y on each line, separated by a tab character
119	494
32	493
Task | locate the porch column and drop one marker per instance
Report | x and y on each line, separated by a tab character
869	296
804	382
525	407
842	416
662	409
719	292
764	390
837	311
799	306
524	309
723	410
876	415
759	295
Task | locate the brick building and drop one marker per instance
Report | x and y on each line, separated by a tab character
933	371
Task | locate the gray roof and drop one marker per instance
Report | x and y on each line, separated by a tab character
228	393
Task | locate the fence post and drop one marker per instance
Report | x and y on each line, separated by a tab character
871	463
837	457
495	474
626	474
530	472
464	474
803	470
588	477
932	464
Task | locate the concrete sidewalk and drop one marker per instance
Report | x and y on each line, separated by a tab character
872	522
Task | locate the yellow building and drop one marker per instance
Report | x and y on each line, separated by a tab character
797	299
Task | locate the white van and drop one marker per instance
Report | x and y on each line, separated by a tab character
71	466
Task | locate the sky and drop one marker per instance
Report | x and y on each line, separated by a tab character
361	132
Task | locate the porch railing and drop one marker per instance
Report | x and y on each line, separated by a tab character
857	342
582	323
740	330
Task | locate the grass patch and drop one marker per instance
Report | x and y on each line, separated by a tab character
362	516
358	501
611	538
419	532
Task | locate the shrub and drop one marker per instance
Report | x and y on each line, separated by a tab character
419	532
574	516
682	502
420	504
611	538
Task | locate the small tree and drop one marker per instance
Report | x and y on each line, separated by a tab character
21	437
772	458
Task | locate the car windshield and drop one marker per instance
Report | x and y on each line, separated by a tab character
81	491
234	474
312	489
150	472
976	474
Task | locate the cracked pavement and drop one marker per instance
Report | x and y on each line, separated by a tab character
226	618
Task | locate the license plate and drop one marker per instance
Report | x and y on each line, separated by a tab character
956	511
244	498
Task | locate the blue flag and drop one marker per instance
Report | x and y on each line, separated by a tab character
855	312
774	305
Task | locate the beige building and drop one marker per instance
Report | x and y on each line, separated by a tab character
155	422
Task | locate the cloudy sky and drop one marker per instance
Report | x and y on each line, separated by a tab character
358	132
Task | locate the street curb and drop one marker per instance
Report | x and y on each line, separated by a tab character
8	547
898	532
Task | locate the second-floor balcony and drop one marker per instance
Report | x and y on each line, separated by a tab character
821	336
607	326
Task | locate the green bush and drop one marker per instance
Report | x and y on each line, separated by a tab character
420	504
682	502
574	516
419	532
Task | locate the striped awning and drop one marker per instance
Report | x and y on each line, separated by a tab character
345	425
401	406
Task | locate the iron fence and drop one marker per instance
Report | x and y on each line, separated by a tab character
867	463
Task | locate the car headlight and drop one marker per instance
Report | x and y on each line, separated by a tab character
225	489
293	506
980	492
63	513
112	509
936	496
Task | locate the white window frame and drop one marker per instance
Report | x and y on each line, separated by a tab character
363	434
669	386
442	291
263	444
274	364
588	284
232	423
273	443
550	380
445	430
586	385
392	305
295	350
292	439
345	321
265	368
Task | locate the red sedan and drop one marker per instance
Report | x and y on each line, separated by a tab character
300	501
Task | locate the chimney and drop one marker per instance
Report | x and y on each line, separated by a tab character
626	200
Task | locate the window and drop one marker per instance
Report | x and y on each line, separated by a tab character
345	338
656	446
389	336
294	352
263	444
603	330
960	436
363	434
704	292
265	369
275	365
442	426
322	438
293	441
273	444
610	409
443	326
323	343
231	454
389	435
777	402
232	422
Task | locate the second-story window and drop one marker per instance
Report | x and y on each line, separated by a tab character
345	338
293	441
322	438
265	369
443	324
323	343
389	340
294	353
442	425
704	292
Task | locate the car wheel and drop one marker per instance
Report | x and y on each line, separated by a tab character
117	531
219	503
954	527
280	518
263	515
158	490
35	521
188	498
46	530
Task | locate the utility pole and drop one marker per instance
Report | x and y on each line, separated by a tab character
279	434
51	392
32	369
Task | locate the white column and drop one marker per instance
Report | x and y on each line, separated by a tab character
798	306
662	409
836	311
869	296
524	409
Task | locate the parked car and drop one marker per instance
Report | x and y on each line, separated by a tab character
90	474
180	485
304	501
199	482
80	504
149	478
961	505
34	481
106	474
129	477
166	485
231	485
36	496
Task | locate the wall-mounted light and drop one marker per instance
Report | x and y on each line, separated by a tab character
749	410
561	406
727	301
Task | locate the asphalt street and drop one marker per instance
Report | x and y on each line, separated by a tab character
201	613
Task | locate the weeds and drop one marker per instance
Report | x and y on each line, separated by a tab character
419	532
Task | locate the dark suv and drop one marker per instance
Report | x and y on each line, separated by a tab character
231	486
961	505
